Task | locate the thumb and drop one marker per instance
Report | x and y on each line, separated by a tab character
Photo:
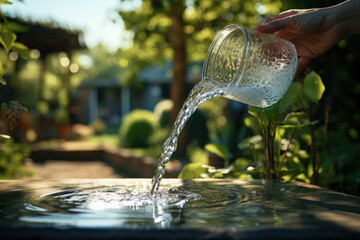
278	22
273	26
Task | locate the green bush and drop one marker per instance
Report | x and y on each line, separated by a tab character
137	129
12	158
162	111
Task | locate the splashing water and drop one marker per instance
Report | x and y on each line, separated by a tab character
201	92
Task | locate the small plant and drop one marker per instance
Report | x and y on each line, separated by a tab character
137	129
10	113
13	157
61	116
98	126
277	152
277	122
162	111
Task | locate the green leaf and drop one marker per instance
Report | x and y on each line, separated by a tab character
298	125
218	175
313	87
290	174
251	141
16	27
294	117
7	39
218	149
21	49
296	120
192	170
289	97
241	164
2	72
198	155
5	2
246	177
265	114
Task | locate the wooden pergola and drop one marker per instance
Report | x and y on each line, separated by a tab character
47	37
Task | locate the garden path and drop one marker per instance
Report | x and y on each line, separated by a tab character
51	168
63	169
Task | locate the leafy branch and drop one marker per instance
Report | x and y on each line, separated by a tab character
9	113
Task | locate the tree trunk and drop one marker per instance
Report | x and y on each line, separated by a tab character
178	91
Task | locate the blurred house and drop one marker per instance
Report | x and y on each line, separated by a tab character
100	99
107	100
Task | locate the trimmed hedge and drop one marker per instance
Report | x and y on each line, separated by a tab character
137	129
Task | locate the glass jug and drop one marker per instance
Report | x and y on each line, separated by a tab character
250	67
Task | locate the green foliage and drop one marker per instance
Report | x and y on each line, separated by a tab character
254	142
150	24
162	111
219	150
2	81
10	113
193	170
42	107
12	158
21	49
289	140
197	155
5	2
137	129
63	98
61	116
313	87
273	118
8	40
104	64
98	126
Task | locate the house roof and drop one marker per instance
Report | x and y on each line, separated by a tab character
100	82
157	74
163	73
46	37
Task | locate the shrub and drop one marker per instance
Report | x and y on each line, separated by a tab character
163	112
137	128
12	158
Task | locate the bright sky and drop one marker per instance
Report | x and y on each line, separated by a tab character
93	17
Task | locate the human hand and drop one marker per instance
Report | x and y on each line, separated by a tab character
313	31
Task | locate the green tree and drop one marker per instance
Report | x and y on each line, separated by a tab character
9	113
8	40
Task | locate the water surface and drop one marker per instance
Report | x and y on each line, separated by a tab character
189	204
